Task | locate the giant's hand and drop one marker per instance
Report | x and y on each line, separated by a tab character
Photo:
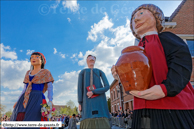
152	93
80	107
50	103
89	94
114	73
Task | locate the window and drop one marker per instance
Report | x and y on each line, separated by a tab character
114	94
190	43
117	94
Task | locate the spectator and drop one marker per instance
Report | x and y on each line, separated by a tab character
63	120
125	114
110	122
66	121
115	115
72	122
131	114
122	114
110	114
119	114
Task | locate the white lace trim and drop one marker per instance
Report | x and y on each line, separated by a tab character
149	33
34	74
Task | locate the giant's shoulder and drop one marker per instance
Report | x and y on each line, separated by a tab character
27	73
45	71
88	69
171	38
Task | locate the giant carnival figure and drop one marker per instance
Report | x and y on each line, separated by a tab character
168	103
92	98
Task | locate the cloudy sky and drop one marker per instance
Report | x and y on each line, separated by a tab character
65	32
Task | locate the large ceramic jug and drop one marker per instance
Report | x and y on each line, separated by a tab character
134	69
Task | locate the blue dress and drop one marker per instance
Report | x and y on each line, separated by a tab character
32	112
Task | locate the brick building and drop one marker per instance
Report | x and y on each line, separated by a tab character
181	23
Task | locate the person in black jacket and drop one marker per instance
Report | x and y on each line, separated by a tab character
66	121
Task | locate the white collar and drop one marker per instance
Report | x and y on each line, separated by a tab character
34	74
149	33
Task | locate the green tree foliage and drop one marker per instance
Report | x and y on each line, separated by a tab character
70	104
109	104
8	113
70	108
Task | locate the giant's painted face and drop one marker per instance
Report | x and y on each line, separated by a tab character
91	61
143	21
35	60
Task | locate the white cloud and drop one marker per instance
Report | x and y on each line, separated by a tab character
71	4
73	56
6	53
9	98
69	20
122	34
55	51
99	28
59	53
29	52
2	98
80	55
13	72
109	49
62	55
68	78
66	97
65	88
12	76
56	4
21	50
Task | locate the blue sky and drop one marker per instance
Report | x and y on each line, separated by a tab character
65	32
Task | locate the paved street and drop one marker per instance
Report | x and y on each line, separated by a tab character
113	127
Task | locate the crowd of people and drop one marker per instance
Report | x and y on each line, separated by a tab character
67	120
5	118
125	114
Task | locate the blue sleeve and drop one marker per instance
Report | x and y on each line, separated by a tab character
106	85
80	88
50	91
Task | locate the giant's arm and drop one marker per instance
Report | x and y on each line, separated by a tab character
106	85
50	91
179	63
80	88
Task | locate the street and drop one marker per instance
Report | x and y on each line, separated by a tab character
113	127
